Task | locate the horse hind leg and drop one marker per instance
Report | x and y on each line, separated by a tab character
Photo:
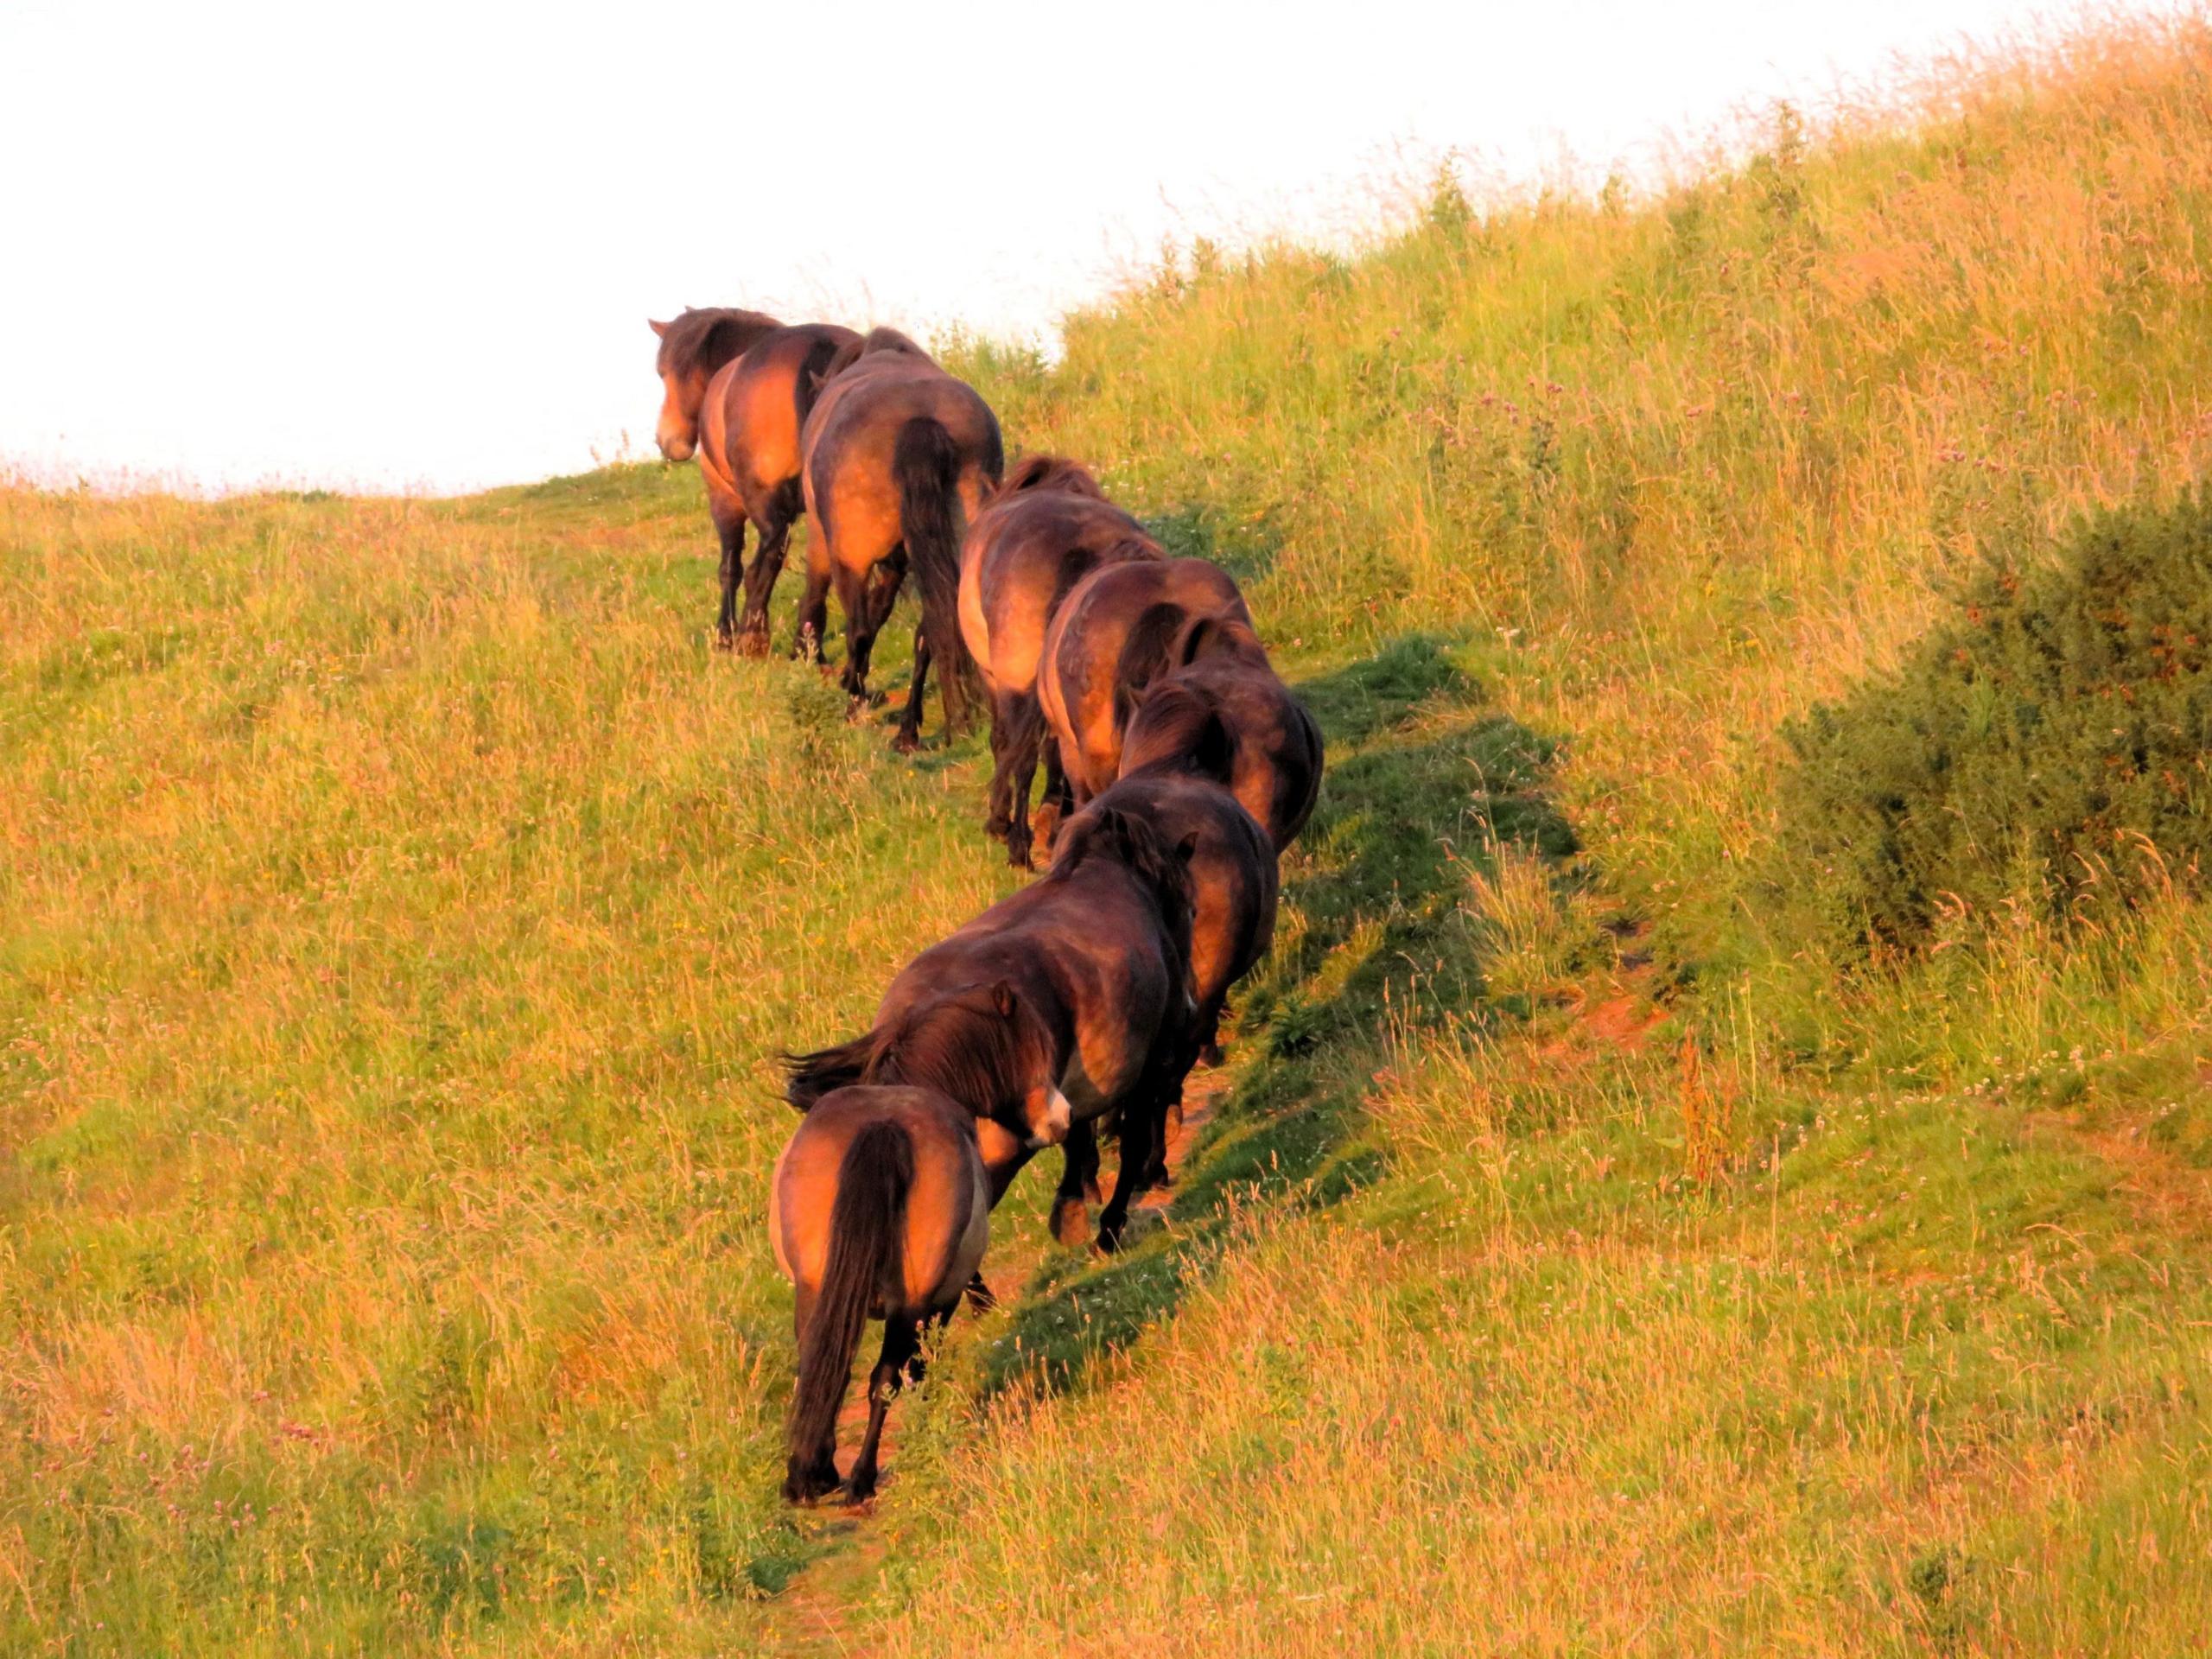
775	527
809	1474
909	736
867	600
901	1357
1023	743
731	531
1057	804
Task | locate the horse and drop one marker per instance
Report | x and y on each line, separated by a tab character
896	460
1234	876
743	423
1048	526
879	1208
1220	682
1089	969
1234	886
1109	638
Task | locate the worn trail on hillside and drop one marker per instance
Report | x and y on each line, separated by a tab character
815	1608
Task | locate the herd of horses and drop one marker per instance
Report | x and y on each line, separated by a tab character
1177	767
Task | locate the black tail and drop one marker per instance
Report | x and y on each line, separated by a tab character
867	1230
810	1076
1147	654
926	464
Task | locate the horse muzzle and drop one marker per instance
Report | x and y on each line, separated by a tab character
1059	1118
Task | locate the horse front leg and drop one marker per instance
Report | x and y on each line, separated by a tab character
1141	1130
1078	1183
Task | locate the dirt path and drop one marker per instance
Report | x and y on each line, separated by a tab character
813	1610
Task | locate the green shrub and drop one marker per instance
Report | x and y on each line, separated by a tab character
2046	749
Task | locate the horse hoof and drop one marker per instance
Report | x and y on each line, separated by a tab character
753	644
1070	1221
1109	1237
805	1485
725	642
905	743
1210	1056
858	1489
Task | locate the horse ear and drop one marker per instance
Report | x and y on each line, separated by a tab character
1003	999
660	329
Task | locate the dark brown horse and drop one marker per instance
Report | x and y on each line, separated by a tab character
1234	877
1219	684
744	421
1049	526
897	459
1091	966
879	1208
1109	638
1234	884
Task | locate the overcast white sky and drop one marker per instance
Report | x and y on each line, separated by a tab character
413	246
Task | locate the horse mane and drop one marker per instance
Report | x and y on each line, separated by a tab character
876	340
1037	473
1177	728
970	1044
1126	838
708	336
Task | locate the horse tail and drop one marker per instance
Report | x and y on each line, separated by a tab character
925	465
1145	655
810	1076
813	374
1210	634
867	1229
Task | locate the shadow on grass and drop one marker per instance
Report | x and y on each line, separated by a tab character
1374	937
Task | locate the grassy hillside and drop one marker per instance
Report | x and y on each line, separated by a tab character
398	905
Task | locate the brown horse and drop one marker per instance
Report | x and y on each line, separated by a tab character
880	1209
1091	966
744	422
1049	526
897	459
1110	638
1220	682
